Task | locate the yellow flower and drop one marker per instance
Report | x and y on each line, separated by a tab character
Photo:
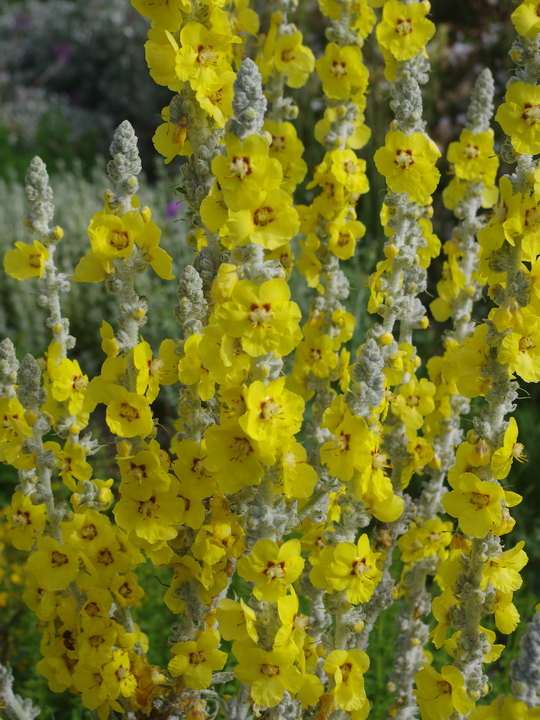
413	402
235	458
262	317
170	139
217	99
476	504
347	668
349	567
297	476
439	694
349	449
408	164
288	149
404	29
504	707
128	414
268	674
246	165
195	660
236	620
519	117
54	565
160	53
502	570
520	349
25	521
166	14
154	517
473	157
342	71
26	261
267	218
292	59
201	57
271	567
526	18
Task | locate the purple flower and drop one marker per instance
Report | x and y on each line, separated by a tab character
23	20
62	52
173	208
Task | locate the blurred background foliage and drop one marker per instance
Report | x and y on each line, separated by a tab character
70	72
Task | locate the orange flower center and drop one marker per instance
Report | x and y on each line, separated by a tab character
471	152
288	55
59	559
263	216
128	412
480	500
241	448
260	314
346	670
269	409
240	167
119	239
526	343
403	158
275	570
338	69
206	55
404	26
269	670
278	143
531	113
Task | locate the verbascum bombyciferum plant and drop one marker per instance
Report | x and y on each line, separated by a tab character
278	501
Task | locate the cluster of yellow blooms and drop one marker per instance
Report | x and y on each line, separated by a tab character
265	538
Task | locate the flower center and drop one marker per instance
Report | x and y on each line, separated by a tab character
278	143
240	167
269	409
526	343
128	412
446	688
241	448
89	532
34	261
147	507
531	113
343	442
263	216
288	55
206	55
413	401
59	559
338	69
346	670
481	501
80	383
260	314
471	152
269	670
403	158
404	26
96	640
274	570
119	239
359	567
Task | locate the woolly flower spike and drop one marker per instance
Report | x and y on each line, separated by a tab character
272	568
439	694
408	164
519	117
404	29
